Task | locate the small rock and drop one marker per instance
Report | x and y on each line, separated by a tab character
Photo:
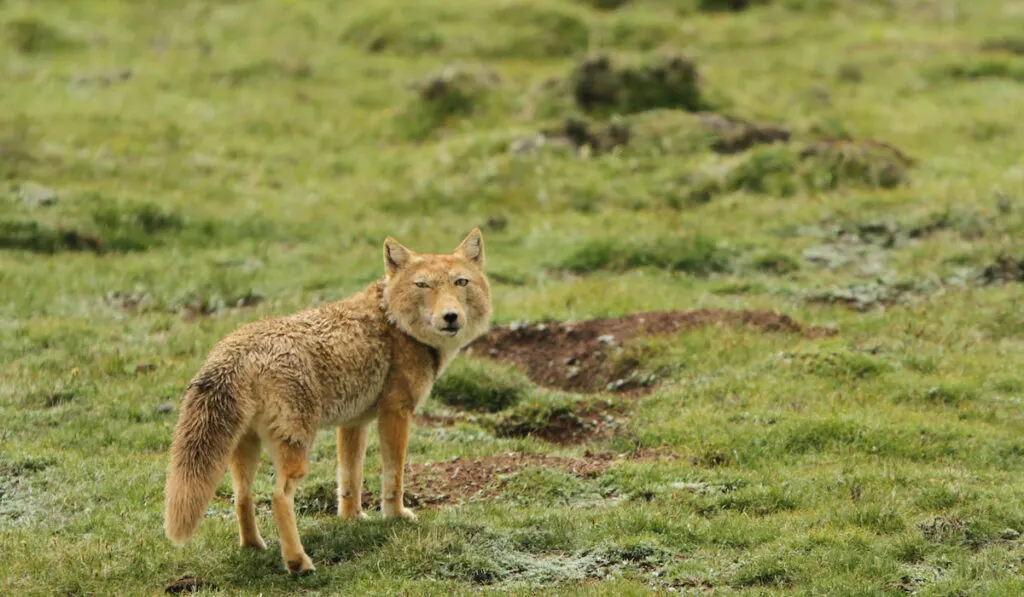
164	408
37	195
515	326
571	361
606	339
542	327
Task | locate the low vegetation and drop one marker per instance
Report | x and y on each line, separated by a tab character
756	269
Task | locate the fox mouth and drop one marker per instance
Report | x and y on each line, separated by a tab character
450	330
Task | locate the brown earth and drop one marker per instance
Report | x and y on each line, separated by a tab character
464	480
570	356
567	425
188	584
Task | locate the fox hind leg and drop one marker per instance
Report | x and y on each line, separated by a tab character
244	462
351	454
292	464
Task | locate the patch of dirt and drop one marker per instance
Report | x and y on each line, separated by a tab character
1004	269
39	238
463	480
570	356
188	584
565	424
733	135
664	82
196	307
722	134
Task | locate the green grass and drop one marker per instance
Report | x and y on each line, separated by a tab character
169	171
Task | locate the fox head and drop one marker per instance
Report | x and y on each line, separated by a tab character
443	301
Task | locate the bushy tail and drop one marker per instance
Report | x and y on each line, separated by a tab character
211	422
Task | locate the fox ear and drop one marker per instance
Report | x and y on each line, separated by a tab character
395	255
472	247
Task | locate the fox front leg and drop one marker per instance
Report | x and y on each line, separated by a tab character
393	426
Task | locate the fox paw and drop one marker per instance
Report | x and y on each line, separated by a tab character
300	567
255	543
401	512
353	515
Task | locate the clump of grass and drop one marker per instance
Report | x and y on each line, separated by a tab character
775	262
752	501
542	419
605	4
769	171
264	70
728	5
664	82
948	394
697	255
994	67
16	148
42	238
1010	45
480	386
538	30
545	484
841	364
19	467
317	498
638	33
452	94
595	137
668	132
823	166
30	35
404	30
525	30
763	572
829	165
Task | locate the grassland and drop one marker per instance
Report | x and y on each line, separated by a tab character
169	171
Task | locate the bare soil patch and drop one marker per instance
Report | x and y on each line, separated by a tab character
566	424
570	356
188	584
463	480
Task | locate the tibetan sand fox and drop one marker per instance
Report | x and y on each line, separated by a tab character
374	355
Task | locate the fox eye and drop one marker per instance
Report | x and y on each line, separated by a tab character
422	285
461	282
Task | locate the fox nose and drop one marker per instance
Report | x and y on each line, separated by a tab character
451	317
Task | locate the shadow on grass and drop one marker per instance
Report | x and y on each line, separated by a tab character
331	542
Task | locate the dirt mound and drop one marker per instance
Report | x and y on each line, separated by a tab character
570	356
565	424
733	135
599	85
1004	269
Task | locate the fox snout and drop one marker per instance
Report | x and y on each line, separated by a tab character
450	321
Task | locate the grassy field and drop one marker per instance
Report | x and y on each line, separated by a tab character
169	171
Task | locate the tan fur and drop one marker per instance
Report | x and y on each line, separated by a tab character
374	355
